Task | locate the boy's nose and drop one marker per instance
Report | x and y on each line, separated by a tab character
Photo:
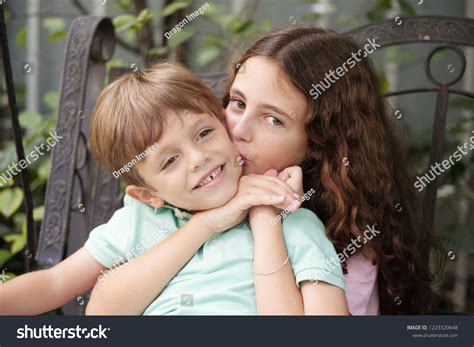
198	159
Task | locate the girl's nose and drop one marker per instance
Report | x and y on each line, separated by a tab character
242	130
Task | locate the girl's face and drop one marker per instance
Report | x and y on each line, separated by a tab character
266	117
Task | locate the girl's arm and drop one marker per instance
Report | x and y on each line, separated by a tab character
277	293
147	275
321	298
42	291
276	290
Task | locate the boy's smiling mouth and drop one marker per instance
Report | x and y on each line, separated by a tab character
212	178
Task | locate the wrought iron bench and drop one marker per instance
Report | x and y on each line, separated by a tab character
81	195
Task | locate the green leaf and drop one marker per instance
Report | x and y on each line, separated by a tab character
158	51
462	104
407	8
265	26
20	38
38	213
173	7
7	156
180	37
123	22
57	36
51	99
4	256
145	15
211	40
10	200
54	24
207	54
225	21
44	169
124	5
18	242
115	62
30	120
238	26
10	275
383	82
19	219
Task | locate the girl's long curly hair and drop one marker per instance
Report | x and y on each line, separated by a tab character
357	164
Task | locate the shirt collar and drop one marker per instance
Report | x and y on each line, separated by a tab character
178	213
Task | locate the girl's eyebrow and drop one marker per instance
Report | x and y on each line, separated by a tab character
277	110
266	106
236	91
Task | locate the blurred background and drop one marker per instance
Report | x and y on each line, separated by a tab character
38	30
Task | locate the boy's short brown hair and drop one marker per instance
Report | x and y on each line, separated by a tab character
129	113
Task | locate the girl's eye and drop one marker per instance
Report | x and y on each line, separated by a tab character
170	161
238	103
205	133
274	121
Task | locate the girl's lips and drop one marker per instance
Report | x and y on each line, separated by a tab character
245	160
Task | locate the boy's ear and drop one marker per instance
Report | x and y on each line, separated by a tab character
144	195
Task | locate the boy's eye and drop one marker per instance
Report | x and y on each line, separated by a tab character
205	133
274	121
238	103
170	161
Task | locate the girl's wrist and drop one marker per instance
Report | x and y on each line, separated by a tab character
264	223
262	213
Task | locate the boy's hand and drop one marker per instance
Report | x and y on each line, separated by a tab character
254	190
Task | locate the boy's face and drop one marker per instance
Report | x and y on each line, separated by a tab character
195	167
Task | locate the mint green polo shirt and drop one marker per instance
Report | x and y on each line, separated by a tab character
218	279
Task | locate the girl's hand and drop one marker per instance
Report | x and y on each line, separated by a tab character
254	190
293	176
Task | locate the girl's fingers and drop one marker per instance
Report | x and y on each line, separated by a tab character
275	184
271	172
293	206
284	175
293	175
251	200
256	196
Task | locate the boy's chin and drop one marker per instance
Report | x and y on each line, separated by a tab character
215	200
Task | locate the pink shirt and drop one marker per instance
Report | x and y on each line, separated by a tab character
361	286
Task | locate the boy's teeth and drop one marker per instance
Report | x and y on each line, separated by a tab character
211	177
